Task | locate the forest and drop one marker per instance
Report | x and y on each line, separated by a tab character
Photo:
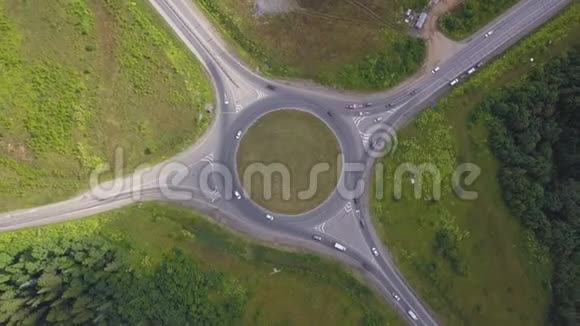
535	134
89	281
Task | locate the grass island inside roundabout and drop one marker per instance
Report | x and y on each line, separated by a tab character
301	155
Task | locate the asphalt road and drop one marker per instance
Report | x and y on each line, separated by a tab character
204	176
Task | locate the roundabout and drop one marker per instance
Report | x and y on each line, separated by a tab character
329	139
288	162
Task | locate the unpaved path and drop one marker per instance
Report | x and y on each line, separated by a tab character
439	47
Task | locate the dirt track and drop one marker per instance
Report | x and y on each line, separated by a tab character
439	47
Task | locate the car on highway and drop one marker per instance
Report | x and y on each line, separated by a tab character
489	33
361	113
271	87
354	106
239	134
317	237
237	194
269	217
375	251
362	223
378	119
412	315
471	70
390	105
454	82
340	247
368	104
435	70
396	296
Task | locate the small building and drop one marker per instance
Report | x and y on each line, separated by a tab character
421	20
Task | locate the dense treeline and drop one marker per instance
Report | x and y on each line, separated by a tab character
535	133
80	281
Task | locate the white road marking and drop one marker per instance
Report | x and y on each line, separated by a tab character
357	120
348	207
320	228
260	94
209	158
238	108
365	137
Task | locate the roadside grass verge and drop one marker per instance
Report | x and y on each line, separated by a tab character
307	290
471	15
343	44
470	260
81	78
294	141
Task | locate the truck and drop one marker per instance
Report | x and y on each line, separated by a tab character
340	247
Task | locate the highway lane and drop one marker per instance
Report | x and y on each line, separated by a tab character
243	95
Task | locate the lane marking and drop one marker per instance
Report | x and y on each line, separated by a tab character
348	207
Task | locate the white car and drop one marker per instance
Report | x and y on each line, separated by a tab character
435	70
471	70
489	33
396	296
375	251
412	315
237	194
317	237
378	119
454	82
269	217
239	134
339	247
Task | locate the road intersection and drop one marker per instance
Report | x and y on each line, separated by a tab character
204	176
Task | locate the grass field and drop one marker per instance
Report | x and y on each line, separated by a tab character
345	43
471	15
80	78
470	260
298	141
308	290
